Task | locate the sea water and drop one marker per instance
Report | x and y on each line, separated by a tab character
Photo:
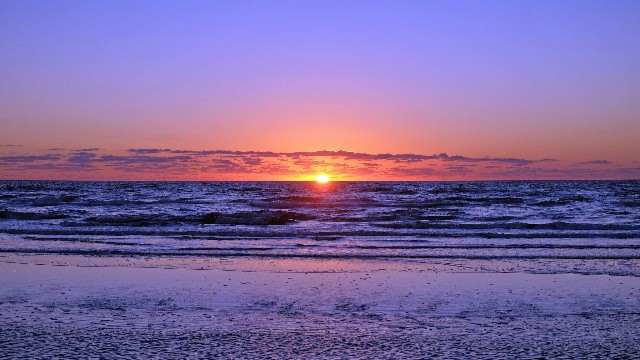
540	222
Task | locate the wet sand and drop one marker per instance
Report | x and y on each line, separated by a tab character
57	306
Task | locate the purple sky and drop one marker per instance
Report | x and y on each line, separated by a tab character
528	80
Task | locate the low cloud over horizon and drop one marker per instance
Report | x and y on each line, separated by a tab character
172	164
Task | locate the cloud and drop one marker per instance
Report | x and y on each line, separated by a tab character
48	166
413	172
252	160
170	164
599	162
148	151
514	161
141	159
342	154
215	152
228	166
81	159
29	158
460	168
81	155
145	163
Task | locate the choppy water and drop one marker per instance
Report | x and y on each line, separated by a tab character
450	220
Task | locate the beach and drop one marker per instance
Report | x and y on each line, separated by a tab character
70	306
301	270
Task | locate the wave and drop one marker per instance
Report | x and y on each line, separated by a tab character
345	211
335	243
390	190
261	253
127	220
249	189
631	204
490	200
551	203
557	225
297	199
268	232
260	217
19	215
500	246
312	202
130	202
561	201
53	200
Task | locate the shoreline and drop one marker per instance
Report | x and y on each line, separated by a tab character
597	266
304	308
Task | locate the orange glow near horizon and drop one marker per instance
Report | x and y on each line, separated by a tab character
321	167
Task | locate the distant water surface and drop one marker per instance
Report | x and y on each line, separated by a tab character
527	220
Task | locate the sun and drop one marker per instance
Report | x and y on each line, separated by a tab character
322	179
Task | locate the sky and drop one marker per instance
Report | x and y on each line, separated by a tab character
283	90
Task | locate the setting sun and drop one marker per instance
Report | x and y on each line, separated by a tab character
322	178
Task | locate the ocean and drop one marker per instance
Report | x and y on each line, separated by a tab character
540	226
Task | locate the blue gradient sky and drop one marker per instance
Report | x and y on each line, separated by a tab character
525	79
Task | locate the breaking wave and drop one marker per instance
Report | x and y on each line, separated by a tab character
466	220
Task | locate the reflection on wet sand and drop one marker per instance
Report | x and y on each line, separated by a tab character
308	308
